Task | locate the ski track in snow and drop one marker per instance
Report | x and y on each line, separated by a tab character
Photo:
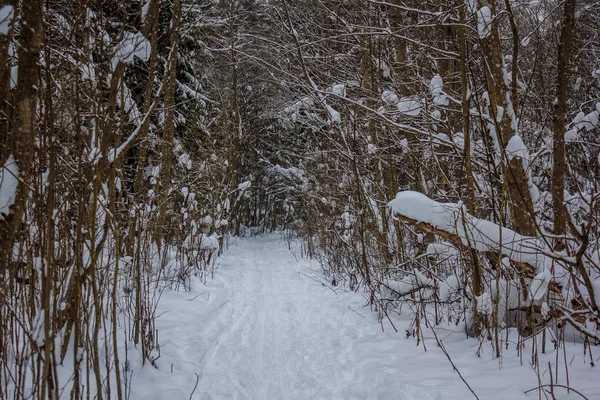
263	330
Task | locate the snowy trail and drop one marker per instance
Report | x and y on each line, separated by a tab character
264	330
268	347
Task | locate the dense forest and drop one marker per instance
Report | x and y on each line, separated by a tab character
438	156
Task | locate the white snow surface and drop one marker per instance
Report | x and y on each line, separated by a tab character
472	6
408	106
339	89
134	44
484	22
145	10
436	85
587	121
9	181
334	116
389	97
6	16
516	148
209	242
14	76
269	326
244	185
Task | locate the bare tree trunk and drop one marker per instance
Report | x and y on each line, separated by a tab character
152	26
379	168
236	131
166	168
5	88
396	21
30	44
404	90
464	81
48	389
560	114
503	113
477	279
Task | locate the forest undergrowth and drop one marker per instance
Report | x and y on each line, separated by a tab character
441	158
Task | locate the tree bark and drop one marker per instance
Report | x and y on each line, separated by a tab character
503	112
396	21
5	89
464	83
166	168
560	114
30	44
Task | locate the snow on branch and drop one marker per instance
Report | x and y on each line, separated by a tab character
115	154
134	44
516	148
452	222
583	122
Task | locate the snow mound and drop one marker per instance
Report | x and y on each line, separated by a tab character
244	185
588	121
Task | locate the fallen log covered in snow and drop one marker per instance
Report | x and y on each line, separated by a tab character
531	255
452	222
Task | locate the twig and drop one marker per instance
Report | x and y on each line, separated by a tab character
318	281
451	362
195	297
557	385
384	310
362	316
196	385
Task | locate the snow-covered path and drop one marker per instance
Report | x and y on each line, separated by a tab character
265	329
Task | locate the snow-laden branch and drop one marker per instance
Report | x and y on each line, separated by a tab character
115	154
531	255
406	9
134	44
452	222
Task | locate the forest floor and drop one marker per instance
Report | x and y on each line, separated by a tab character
265	328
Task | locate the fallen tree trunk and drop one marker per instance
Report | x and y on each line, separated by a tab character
527	269
452	222
530	255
